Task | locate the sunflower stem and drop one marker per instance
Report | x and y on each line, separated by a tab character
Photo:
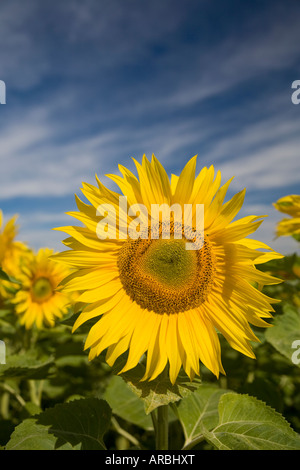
124	433
154	420
162	428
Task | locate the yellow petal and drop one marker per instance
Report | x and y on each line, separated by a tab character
185	184
99	308
102	292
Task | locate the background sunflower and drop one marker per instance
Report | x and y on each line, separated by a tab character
38	300
289	226
12	255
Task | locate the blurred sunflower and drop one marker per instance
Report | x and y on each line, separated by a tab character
39	300
152	294
289	205
12	254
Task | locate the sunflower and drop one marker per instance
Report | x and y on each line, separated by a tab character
152	294
11	251
39	300
12	254
289	205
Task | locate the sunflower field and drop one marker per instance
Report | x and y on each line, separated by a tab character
122	343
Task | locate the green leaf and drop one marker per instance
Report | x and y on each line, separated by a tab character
198	410
26	366
6	429
285	332
32	436
160	391
126	404
77	425
3	275
246	423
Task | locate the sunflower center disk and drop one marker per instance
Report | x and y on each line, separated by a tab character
162	276
169	263
42	289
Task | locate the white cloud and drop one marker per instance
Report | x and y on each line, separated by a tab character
265	155
23	62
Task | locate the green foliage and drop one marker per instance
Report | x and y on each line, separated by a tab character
26	366
79	425
126	404
232	421
53	397
199	411
286	332
245	423
159	391
3	275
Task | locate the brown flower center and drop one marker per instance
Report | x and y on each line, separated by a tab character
42	289
161	275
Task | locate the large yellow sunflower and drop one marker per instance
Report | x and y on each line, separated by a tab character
152	294
39	300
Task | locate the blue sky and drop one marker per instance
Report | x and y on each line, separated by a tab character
91	84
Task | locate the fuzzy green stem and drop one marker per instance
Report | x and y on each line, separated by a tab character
10	390
124	433
162	428
35	389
